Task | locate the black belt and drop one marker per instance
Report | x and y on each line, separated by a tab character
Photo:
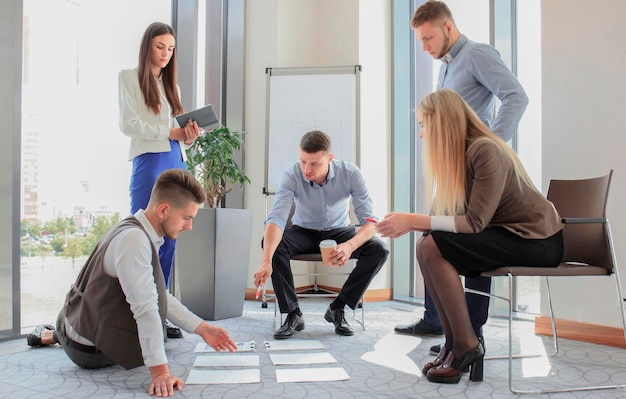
80	347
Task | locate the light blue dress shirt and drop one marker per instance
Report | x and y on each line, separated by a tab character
324	207
477	73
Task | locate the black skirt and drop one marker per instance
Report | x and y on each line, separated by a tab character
472	254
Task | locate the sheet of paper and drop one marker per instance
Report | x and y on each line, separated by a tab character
246	376
227	360
302	358
293	345
248	346
312	374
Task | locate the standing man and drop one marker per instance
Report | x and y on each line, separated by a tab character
478	74
321	188
115	311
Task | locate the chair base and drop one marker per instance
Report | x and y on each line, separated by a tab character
510	357
316	290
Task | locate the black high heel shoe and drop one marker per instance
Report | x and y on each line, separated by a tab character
451	371
474	359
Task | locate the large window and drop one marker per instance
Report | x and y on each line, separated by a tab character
75	169
518	38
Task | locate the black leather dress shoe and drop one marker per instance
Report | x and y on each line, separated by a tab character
34	338
173	332
338	318
435	349
419	328
292	323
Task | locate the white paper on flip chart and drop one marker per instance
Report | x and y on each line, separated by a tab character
227	360
248	346
312	375
293	344
302	358
245	376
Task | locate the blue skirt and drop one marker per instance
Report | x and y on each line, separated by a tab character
146	168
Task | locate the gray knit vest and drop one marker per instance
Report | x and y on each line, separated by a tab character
96	306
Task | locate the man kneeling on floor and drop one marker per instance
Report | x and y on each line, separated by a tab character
115	311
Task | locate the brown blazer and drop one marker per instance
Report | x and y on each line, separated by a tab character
495	199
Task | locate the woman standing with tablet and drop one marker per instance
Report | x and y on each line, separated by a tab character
149	100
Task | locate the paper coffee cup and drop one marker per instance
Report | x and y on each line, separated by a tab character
326	247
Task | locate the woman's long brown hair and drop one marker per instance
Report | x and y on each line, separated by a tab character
147	83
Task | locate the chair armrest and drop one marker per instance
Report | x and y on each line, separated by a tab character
584	220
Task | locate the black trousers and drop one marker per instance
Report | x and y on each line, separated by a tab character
84	356
477	305
297	240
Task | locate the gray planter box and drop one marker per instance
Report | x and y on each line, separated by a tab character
212	262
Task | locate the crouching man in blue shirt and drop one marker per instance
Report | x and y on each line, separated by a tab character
321	188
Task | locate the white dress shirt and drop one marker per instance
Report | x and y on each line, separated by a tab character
129	259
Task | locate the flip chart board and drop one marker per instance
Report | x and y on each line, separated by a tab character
304	99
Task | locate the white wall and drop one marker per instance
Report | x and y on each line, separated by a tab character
316	33
583	131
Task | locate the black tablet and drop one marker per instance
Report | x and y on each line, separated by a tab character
205	117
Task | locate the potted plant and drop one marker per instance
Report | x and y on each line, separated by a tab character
210	157
212	259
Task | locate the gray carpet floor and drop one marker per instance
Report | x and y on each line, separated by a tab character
380	363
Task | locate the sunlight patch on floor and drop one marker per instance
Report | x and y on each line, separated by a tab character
391	351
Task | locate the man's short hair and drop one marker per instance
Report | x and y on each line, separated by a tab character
178	188
315	141
431	11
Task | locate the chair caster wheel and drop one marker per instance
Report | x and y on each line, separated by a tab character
264	305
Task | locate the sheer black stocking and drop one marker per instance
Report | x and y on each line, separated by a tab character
446	290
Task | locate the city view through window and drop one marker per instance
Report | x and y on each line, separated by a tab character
75	168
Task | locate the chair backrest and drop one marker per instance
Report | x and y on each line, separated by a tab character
585	243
